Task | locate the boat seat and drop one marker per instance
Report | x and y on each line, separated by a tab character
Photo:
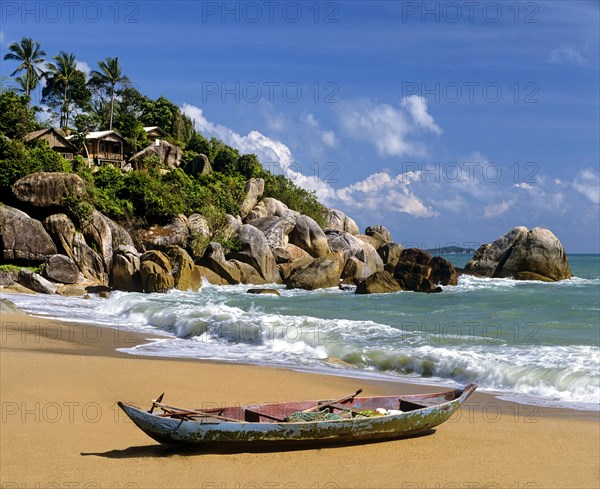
253	415
409	406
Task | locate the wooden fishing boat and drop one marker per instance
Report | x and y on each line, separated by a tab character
345	420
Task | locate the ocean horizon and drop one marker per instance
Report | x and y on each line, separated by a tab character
530	342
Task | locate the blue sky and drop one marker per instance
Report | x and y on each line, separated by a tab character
448	122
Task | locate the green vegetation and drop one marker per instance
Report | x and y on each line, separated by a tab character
150	194
7	268
29	54
18	160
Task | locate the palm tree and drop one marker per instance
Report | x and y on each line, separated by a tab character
63	72
108	77
26	83
30	55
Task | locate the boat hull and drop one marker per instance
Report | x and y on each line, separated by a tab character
174	431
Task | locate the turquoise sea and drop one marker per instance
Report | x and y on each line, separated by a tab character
528	341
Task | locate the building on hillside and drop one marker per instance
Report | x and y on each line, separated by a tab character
106	147
155	132
56	140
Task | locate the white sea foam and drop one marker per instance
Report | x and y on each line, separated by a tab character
225	323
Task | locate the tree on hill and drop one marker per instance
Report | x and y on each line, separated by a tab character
107	79
127	117
66	87
165	114
16	118
29	54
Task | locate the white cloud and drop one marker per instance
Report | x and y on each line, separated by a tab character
417	106
382	192
1	37
389	128
328	138
83	66
567	55
587	183
496	210
269	151
523	186
421	193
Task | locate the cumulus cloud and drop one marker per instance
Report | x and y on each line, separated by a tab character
382	192
269	151
389	128
587	183
427	190
83	66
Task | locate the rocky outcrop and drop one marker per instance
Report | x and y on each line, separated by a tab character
371	240
380	233
9	277
72	243
378	283
229	229
276	230
487	257
248	274
258	212
169	155
185	273
199	165
119	235
23	238
70	290
290	259
199	233
254	189
418	271
338	221
255	251
263	291
9	307
390	254
47	189
61	268
161	237
355	270
214	260
210	276
442	271
523	254
321	273
310	237
104	235
125	271
36	282
156	272
353	246
277	208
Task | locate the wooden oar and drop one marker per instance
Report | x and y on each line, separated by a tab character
158	399
319	407
194	412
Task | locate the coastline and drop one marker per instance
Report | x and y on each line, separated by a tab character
60	383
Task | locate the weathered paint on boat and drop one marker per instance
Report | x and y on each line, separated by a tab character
209	431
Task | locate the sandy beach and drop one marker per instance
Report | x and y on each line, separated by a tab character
61	426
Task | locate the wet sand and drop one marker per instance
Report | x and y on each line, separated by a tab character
61	427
